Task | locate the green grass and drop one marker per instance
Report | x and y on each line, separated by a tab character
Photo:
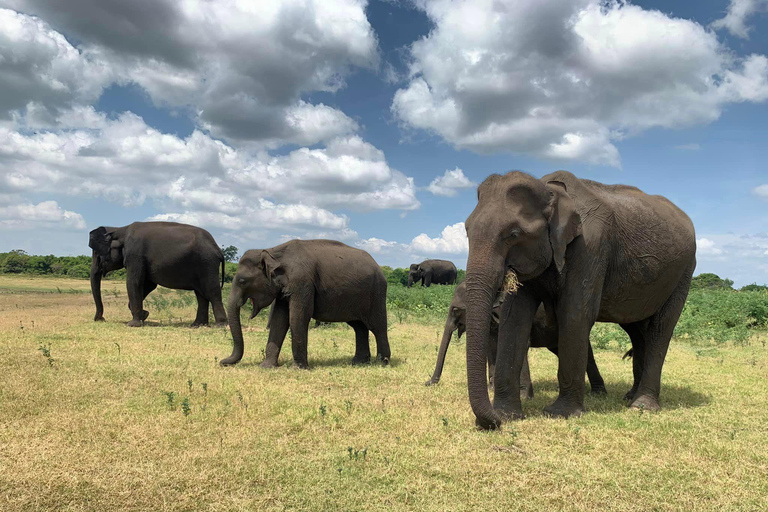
112	418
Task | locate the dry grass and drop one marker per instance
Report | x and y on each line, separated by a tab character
96	430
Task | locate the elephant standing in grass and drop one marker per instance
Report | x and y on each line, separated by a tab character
168	254
590	253
321	279
432	272
543	334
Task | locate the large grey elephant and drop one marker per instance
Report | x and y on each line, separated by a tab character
321	279
168	254
589	252
543	334
432	272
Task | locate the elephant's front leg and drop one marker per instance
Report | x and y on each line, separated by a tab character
526	386
516	320
202	310
278	324
596	382
573	349
301	309
136	293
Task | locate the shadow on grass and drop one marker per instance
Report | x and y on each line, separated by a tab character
330	362
673	397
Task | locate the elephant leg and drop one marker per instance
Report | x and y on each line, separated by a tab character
526	386
596	383
135	287
301	309
658	333
362	346
428	279
202	310
378	326
635	331
219	313
279	320
149	287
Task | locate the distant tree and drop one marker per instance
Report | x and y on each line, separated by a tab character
708	281
754	287
460	275
15	262
230	253
398	276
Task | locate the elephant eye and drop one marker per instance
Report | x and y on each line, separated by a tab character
515	233
241	280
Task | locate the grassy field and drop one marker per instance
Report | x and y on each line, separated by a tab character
99	416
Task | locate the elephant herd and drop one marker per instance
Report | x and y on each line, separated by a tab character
579	252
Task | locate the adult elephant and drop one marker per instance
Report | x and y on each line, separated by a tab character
543	334
589	252
432	272
321	279
168	254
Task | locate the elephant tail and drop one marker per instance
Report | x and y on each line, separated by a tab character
628	354
223	267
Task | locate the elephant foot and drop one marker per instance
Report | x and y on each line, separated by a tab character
646	403
563	409
361	360
526	393
229	361
301	365
268	364
431	382
144	314
630	395
197	324
135	323
98	318
383	359
599	390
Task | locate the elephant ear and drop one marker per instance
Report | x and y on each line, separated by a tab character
274	270
564	221
99	240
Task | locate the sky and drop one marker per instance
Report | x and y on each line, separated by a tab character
373	122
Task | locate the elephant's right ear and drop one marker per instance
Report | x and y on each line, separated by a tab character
564	221
99	240
273	269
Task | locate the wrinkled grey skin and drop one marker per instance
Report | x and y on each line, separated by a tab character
589	252
168	254
304	279
432	272
542	335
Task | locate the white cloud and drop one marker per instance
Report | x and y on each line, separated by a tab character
375	245
241	66
452	240
761	191
448	184
705	246
735	20
47	214
564	79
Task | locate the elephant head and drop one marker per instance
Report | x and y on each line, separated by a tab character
107	256
260	277
519	224
414	274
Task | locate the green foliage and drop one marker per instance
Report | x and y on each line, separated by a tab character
720	315
230	253
395	276
79	267
229	271
754	287
710	281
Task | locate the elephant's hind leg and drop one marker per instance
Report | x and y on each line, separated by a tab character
202	310
379	329
362	344
657	332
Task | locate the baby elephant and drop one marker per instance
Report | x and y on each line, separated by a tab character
321	279
542	335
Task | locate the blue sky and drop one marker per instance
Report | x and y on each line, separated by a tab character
372	122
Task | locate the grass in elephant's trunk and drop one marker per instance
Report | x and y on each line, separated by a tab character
109	415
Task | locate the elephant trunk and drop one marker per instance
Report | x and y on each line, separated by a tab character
450	327
410	280
96	288
484	276
233	318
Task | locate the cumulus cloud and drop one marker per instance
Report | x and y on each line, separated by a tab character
241	66
452	240
565	79
47	214
707	247
201	180
735	20
761	191
375	245
450	183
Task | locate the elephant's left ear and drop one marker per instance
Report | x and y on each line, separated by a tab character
274	269
564	221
